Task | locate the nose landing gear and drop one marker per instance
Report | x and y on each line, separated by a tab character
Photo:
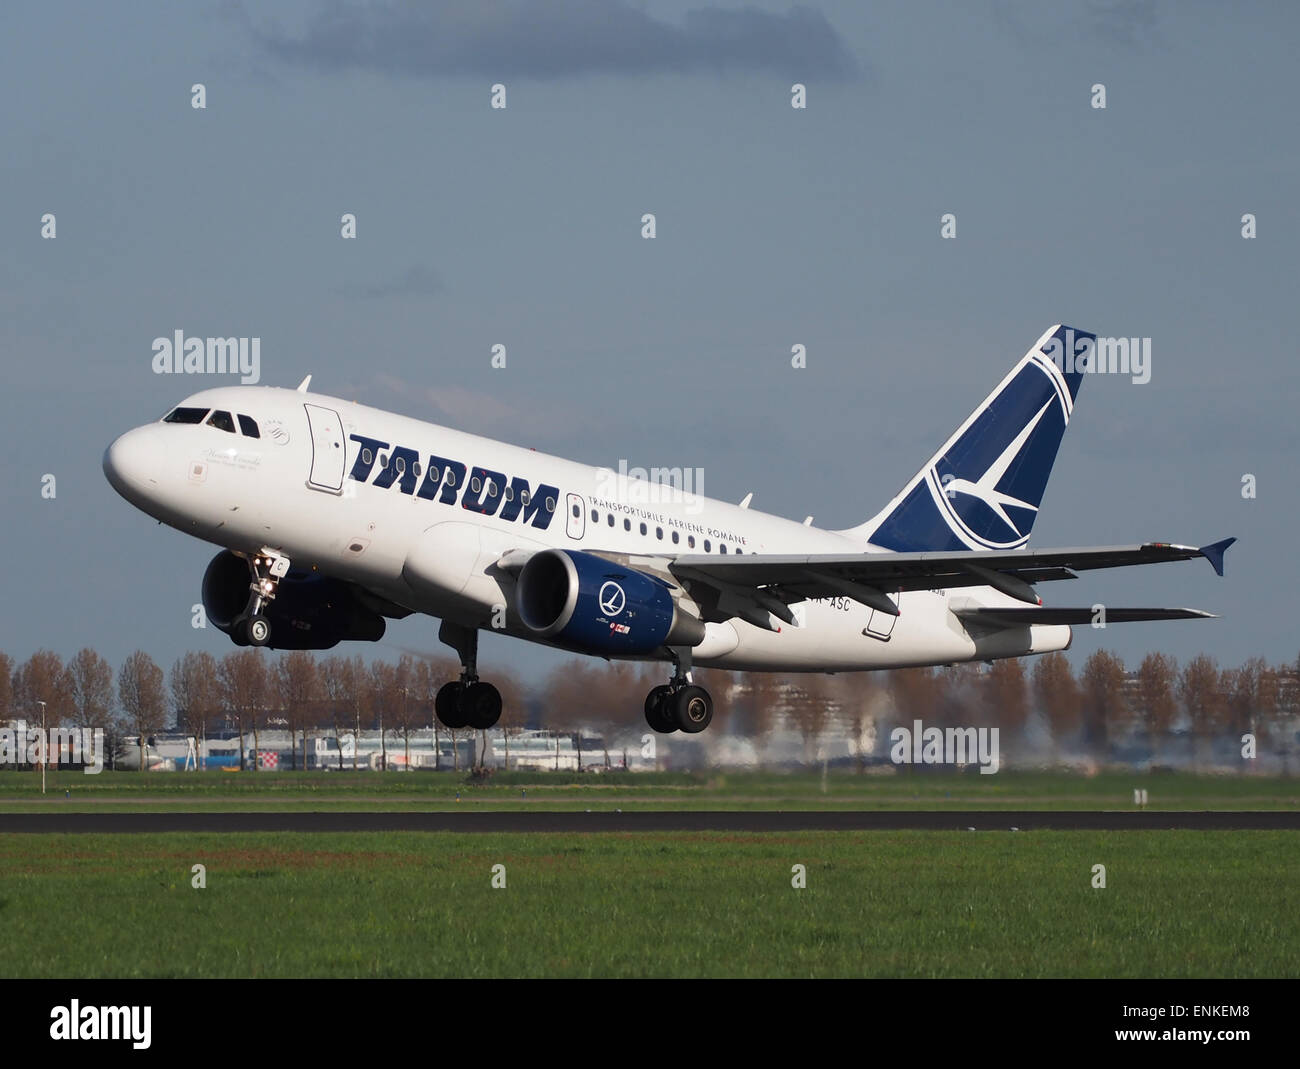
251	627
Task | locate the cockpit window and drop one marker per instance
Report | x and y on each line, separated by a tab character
222	421
248	425
185	415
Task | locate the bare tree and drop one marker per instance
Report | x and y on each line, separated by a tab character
1103	699
918	693
1057	695
297	686
717	681
514	709
1287	709
195	694
346	684
383	692
1250	696
856	695
141	696
242	679
427	678
757	699
41	678
1199	686
1006	694
6	687
1155	695
403	701
89	683
810	710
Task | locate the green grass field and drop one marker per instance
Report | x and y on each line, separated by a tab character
891	904
20	791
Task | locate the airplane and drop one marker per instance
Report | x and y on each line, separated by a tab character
334	517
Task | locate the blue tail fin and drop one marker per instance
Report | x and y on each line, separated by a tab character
983	488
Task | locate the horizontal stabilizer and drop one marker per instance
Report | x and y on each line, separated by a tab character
1016	617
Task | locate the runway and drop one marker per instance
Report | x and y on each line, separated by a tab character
570	822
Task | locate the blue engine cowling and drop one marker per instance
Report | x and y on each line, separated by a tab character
310	611
592	605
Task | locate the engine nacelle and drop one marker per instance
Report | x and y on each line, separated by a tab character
310	611
593	605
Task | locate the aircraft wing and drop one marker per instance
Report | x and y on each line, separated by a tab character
1024	617
771	582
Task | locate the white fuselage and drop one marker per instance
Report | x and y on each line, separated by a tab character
313	488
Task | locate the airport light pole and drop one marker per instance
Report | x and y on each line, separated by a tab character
44	737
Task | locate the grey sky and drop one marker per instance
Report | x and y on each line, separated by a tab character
775	227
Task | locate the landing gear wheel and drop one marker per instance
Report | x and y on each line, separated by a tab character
238	630
480	705
692	708
446	704
257	629
657	713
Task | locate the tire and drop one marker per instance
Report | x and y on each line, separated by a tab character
237	632
257	629
692	708
446	704
480	706
657	712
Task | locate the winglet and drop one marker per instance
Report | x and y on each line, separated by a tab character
1214	553
302	386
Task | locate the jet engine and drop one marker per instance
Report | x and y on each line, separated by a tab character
591	605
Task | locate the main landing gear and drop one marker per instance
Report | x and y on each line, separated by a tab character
679	705
468	701
251	627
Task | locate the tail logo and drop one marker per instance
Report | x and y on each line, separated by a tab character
985	488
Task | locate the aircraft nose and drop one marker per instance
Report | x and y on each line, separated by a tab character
127	463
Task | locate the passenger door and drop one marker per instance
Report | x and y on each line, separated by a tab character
327	453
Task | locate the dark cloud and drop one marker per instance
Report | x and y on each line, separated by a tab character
1120	23
417	281
1124	22
502	39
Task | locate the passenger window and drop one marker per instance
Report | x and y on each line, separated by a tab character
627	525
610	517
722	547
690	541
643	528
707	547
185	415
659	533
595	516
248	425
676	539
550	504
222	421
